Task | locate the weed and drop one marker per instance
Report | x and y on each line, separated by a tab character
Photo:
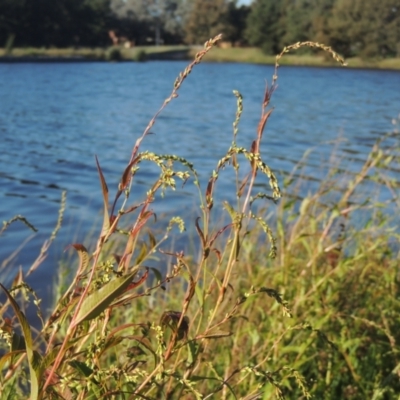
306	313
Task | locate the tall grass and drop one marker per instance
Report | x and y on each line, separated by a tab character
303	305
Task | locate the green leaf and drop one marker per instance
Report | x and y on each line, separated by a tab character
98	301
81	367
153	241
233	214
142	255
50	356
9	391
104	188
86	372
32	356
193	347
304	206
216	335
9	357
18	342
157	274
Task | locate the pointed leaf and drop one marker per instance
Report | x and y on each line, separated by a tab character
242	186
98	301
17	344
134	285
81	367
18	278
83	256
144	342
268	93
142	255
26	330
253	147
9	357
233	214
49	358
153	241
142	219
222	230
104	188
190	290
200	232
158	275
126	175
218	253
110	343
147	344
215	335
263	121
209	191
193	347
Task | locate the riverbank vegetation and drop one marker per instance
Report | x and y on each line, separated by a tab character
284	294
356	28
252	55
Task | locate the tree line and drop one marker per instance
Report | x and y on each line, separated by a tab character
365	28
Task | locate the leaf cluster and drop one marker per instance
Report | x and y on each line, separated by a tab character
220	325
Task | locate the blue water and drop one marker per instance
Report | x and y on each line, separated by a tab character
54	118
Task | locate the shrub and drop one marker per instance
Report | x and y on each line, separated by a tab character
220	326
114	54
140	55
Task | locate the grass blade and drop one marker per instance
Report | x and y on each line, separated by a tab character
98	301
32	358
104	188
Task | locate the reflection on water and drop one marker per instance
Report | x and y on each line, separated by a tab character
54	118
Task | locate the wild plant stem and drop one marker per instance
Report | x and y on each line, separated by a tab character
72	325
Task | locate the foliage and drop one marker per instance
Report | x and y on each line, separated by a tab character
354	27
142	21
236	23
141	55
263	25
114	54
205	19
310	312
54	23
368	29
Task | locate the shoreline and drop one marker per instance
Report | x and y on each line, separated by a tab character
185	53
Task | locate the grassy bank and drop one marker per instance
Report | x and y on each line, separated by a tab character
246	55
302	305
256	56
140	53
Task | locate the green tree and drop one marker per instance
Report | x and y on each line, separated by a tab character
296	19
160	20
303	20
55	23
264	25
236	17
367	28
11	20
207	18
322	12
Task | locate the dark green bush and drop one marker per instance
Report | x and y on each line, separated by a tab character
114	54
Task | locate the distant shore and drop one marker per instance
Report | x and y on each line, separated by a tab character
143	53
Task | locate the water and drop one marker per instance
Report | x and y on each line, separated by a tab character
54	118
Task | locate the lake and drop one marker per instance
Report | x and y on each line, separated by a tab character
55	117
